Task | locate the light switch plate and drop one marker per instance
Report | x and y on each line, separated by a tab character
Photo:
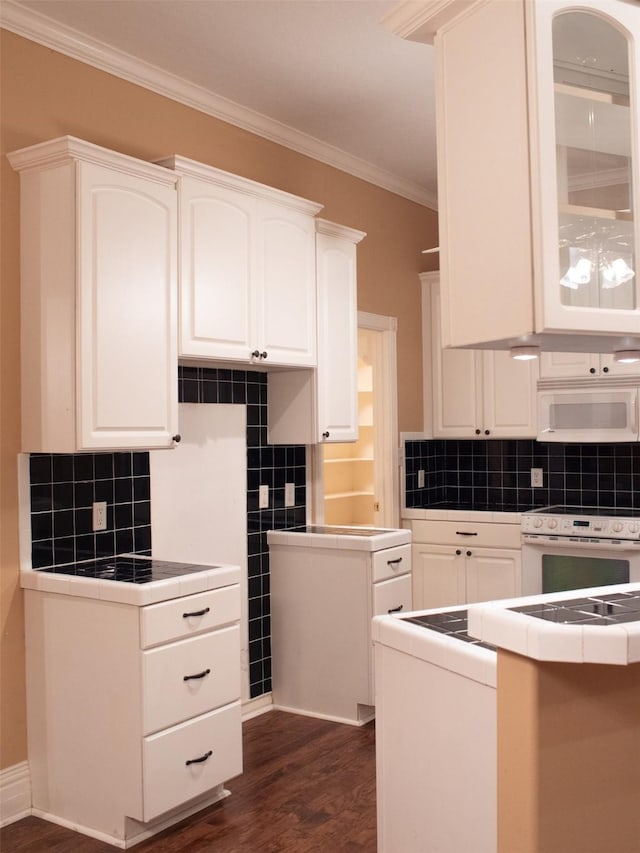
263	497
289	494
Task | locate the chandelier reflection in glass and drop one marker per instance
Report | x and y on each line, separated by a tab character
596	252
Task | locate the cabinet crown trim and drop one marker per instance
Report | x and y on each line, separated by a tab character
65	149
332	229
184	167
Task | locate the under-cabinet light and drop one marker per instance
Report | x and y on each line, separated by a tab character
627	356
524	353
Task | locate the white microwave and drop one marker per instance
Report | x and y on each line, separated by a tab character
588	415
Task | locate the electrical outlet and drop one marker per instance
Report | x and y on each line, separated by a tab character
289	494
421	478
100	515
263	497
537	478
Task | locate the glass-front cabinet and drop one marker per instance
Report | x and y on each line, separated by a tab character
585	57
538	130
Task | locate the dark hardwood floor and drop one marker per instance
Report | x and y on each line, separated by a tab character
308	787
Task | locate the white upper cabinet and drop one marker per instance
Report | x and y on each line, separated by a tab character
476	393
583	365
538	117
98	299
315	407
247	270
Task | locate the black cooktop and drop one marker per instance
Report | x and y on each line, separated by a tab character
605	511
128	569
610	609
337	531
452	623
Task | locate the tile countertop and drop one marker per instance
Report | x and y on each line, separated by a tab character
502	516
181	579
575	633
433	647
344	538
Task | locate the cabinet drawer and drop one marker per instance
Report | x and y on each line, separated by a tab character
168	780
392	595
192	614
391	562
483	534
211	665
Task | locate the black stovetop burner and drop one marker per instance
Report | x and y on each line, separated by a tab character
128	569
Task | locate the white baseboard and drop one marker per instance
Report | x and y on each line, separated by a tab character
15	793
257	706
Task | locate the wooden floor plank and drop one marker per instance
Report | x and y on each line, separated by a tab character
308	786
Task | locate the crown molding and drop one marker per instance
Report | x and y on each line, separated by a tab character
419	20
43	30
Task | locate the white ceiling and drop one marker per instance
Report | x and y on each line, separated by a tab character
321	76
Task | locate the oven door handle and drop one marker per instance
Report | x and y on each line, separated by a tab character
565	545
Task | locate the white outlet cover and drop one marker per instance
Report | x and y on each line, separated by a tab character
263	497
289	494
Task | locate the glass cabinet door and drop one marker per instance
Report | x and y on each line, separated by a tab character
594	152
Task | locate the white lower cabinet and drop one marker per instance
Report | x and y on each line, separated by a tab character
134	717
322	602
449	570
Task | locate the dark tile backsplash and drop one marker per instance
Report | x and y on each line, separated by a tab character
497	474
64	487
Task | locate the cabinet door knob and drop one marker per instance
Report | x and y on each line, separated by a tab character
477	432
325	434
263	354
487	432
177	438
468	553
592	370
605	369
255	353
458	552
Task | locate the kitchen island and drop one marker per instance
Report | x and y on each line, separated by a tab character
533	745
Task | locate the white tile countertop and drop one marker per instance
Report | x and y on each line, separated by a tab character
467	659
344	538
179	580
470	515
585	631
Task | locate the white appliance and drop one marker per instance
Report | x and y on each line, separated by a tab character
588	414
573	547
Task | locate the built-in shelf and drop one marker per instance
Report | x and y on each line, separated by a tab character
596	212
591	94
349	459
340	495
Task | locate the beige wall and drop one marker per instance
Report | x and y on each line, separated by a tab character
44	95
568	756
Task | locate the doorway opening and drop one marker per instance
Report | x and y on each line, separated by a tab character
359	483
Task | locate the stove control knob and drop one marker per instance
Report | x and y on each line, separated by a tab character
537	522
552	523
617	526
634	527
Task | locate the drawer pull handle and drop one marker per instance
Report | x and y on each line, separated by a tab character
394	562
465	533
201	759
395	609
197	675
196	613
